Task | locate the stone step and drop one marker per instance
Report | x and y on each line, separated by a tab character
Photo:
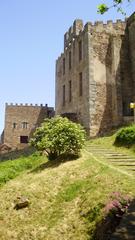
91	149
101	151
116	154
126	165
123	160
131	169
124	157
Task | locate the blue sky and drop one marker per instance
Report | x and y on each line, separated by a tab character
31	39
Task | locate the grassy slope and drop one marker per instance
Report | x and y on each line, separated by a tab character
66	198
108	142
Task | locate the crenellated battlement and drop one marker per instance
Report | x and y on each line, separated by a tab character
78	27
73	32
25	105
95	75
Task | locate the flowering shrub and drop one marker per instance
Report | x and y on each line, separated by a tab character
58	136
118	204
115	208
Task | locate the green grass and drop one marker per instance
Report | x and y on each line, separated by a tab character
66	199
108	142
12	168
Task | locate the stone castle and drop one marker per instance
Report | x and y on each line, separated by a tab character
21	121
95	75
95	82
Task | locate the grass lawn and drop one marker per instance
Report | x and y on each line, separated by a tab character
66	198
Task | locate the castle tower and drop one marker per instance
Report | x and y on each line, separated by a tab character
93	75
21	120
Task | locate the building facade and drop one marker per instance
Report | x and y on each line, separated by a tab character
21	121
95	75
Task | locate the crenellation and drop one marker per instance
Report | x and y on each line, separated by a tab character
77	27
110	22
19	122
98	23
101	74
88	27
73	32
21	105
119	21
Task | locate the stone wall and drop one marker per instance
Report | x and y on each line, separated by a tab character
21	120
131	31
108	69
79	102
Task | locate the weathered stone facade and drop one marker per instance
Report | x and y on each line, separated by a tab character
21	121
95	76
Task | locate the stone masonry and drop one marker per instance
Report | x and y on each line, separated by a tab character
21	121
95	75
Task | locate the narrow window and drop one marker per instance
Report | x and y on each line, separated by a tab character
23	139
63	66
70	91
80	84
70	60
80	50
14	125
63	95
24	125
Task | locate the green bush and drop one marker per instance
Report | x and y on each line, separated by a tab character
58	136
126	136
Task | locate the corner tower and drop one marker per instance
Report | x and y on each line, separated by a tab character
93	75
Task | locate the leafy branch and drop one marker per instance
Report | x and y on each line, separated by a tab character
118	4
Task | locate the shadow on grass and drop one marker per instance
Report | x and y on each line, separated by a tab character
117	228
16	154
124	145
55	163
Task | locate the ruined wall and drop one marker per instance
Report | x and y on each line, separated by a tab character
21	120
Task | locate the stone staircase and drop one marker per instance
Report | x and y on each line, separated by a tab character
126	229
119	160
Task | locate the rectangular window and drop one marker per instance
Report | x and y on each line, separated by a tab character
70	91
24	125
23	139
63	95
80	84
63	66
70	60
14	125
80	50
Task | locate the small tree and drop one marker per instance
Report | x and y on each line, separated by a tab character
59	136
